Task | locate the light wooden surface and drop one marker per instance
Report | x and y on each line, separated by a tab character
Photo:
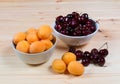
19	15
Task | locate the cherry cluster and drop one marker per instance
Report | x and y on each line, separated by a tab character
75	24
95	56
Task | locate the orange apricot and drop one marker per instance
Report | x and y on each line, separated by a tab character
19	37
48	43
31	30
44	32
50	37
37	47
23	46
58	66
31	37
68	57
75	68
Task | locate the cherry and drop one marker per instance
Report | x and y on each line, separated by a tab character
86	54
94	51
69	16
72	49
85	61
58	27
101	61
62	31
60	18
79	54
75	24
103	52
75	14
95	56
85	15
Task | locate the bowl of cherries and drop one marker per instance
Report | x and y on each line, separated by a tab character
75	29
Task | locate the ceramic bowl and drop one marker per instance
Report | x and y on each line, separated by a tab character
75	40
36	58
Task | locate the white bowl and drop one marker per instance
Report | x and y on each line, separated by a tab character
75	40
36	58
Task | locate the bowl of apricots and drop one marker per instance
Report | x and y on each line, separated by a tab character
34	46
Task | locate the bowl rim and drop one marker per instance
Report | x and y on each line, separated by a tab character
97	28
32	54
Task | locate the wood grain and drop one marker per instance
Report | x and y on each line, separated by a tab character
19	15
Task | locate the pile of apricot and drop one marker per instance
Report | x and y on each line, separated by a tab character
34	40
68	63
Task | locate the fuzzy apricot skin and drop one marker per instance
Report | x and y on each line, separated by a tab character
75	68
68	57
44	32
48	44
32	37
58	66
50	37
37	47
32	30
19	37
23	46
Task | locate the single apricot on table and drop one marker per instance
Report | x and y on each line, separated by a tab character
75	68
44	32
37	47
58	66
19	37
68	57
23	46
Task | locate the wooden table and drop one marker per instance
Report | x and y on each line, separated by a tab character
19	15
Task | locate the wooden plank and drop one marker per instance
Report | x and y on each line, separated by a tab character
19	15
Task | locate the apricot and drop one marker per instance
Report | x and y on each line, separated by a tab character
75	68
23	46
50	37
48	43
68	57
44	32
37	47
31	30
31	37
19	37
58	66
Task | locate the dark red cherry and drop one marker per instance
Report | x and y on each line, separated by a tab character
69	16
103	52
75	14
72	49
79	54
74	23
86	54
94	59
94	51
60	18
92	28
101	61
58	27
63	32
85	15
85	61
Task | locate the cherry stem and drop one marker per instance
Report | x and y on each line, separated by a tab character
104	45
97	21
81	13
